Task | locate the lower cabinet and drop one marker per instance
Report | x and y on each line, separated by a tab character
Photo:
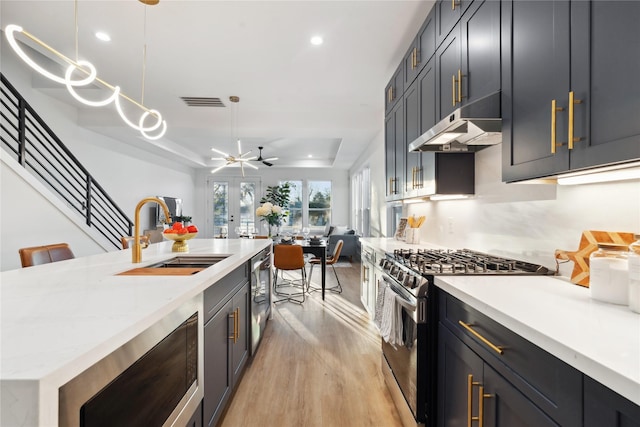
488	374
606	408
470	390
226	351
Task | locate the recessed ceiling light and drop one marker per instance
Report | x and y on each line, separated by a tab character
100	35
310	156
316	40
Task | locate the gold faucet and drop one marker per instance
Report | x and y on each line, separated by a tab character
136	252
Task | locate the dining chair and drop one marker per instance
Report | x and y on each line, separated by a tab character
331	260
126	241
37	255
289	258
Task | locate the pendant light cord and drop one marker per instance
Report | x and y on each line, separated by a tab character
144	53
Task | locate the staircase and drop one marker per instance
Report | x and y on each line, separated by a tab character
28	139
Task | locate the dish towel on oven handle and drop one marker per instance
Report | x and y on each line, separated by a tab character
388	316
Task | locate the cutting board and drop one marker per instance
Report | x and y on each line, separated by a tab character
588	244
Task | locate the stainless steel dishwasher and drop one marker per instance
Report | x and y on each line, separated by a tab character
260	296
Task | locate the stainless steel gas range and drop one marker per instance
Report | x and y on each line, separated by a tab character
410	350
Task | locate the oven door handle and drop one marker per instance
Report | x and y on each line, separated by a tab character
402	300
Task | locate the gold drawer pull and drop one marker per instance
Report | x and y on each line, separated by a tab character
493	347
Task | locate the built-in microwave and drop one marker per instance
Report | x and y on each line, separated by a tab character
152	380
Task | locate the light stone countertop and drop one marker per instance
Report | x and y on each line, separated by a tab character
599	339
59	319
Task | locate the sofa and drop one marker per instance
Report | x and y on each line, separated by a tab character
350	246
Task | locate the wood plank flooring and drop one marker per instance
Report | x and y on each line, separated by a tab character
318	365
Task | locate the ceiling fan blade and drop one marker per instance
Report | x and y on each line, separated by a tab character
220	152
267	163
270	159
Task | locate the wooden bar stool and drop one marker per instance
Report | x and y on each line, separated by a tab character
37	255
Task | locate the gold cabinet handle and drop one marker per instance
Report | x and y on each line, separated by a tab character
572	102
233	316
470	384
454	4
459	85
453	90
492	346
554	111
481	396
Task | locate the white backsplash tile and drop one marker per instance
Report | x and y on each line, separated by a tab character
528	221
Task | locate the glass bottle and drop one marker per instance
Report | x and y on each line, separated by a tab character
634	275
609	273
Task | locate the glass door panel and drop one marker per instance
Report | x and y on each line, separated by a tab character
232	203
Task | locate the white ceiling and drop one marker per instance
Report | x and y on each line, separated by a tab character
296	99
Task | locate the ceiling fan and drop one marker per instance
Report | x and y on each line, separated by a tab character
265	161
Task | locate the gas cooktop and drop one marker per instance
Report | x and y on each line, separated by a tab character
462	262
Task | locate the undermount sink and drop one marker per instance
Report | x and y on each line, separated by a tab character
189	261
177	266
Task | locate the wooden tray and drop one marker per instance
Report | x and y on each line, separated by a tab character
588	244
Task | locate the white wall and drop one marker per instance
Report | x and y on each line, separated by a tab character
127	174
527	221
373	158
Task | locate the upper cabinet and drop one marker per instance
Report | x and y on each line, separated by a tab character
421	50
394	90
566	102
447	14
468	60
605	65
395	149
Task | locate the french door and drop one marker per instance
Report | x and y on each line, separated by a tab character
232	203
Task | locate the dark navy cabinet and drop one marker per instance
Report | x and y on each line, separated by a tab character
468	60
394	90
605	408
395	152
421	50
567	104
498	373
226	341
605	60
447	14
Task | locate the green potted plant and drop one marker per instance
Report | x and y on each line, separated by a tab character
274	206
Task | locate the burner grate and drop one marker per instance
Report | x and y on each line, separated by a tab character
462	261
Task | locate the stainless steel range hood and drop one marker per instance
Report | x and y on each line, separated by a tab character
469	128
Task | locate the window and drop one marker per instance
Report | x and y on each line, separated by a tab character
309	205
319	203
294	219
361	201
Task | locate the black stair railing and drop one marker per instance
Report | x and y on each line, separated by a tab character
34	145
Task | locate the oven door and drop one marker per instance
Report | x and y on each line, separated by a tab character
403	359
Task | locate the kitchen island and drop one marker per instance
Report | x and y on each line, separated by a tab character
600	340
60	319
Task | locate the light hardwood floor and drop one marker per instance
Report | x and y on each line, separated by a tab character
318	365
